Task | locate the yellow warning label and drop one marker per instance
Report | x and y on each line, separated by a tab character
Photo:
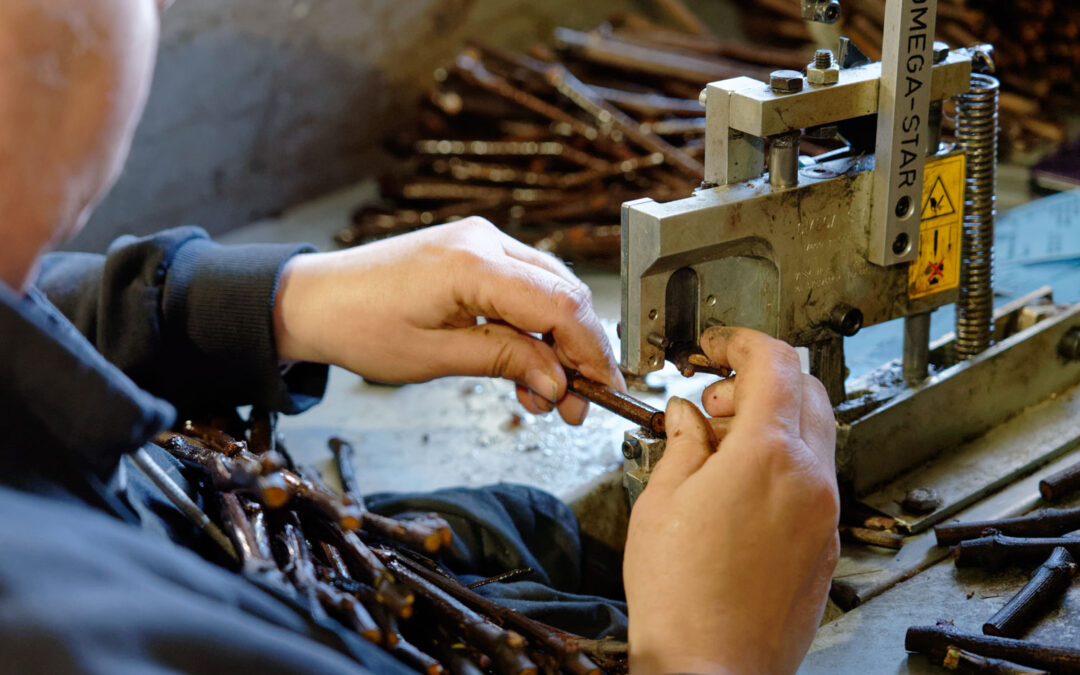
937	267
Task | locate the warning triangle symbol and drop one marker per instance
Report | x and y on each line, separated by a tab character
938	202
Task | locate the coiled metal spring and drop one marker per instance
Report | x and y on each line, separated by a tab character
976	134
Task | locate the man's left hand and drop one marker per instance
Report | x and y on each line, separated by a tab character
406	309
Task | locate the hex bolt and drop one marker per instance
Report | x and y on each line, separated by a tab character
1069	345
786	81
822	58
631	448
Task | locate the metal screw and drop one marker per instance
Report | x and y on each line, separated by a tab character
631	448
1069	346
941	51
786	81
703	97
822	58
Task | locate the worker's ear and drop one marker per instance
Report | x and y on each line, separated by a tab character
690	441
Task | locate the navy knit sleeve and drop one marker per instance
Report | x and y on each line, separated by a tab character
186	318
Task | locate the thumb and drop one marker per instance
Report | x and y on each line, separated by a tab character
690	441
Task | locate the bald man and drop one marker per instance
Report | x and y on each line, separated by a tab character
730	547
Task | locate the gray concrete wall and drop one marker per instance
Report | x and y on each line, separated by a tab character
260	104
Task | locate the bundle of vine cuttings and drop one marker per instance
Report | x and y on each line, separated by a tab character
378	576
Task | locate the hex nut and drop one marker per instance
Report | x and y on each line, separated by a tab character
786	81
822	76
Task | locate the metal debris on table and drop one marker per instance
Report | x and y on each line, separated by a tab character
549	144
286	529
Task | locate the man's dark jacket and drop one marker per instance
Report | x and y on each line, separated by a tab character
98	357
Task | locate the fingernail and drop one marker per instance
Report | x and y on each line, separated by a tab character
574	409
717	333
541	402
542	384
675	414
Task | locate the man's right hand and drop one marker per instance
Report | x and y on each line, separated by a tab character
733	542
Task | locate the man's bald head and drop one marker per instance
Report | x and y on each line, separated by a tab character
74	75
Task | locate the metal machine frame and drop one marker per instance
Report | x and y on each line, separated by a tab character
813	251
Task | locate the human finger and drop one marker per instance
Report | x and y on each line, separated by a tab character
719	397
690	441
537	405
535	300
768	391
573	409
818	421
498	350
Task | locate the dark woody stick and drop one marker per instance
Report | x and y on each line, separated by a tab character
684	17
409	654
254	557
472	69
934	641
576	654
617	402
1059	485
181	500
214	437
427	533
998	550
263	434
387	591
1048	583
588	100
243	471
1047	523
505	647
